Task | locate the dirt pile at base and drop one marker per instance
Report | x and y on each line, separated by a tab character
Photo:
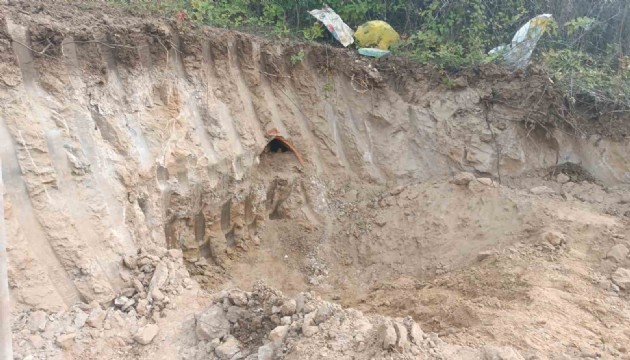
156	284
264	324
479	262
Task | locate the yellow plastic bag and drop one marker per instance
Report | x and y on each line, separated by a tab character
376	33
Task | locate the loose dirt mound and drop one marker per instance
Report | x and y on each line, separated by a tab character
336	180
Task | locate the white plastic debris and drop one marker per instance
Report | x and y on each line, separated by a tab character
524	42
342	32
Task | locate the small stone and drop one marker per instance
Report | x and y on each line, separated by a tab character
621	278
618	253
289	307
323	313
278	334
265	352
416	334
65	341
233	314
37	321
146	334
80	319
124	275
286	320
157	295
131	262
387	336
142	307
486	182
128	292
542	190
160	276
128	304
238	298
214	343
309	331
188	284
563	178
96	318
309	318
460	82
308	308
120	301
402	341
212	324
299	301
554	238
137	284
228	349
143	261
463	178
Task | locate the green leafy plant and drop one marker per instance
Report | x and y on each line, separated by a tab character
297	57
314	32
588	81
588	51
328	89
582	23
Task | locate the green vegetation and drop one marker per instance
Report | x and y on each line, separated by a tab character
297	57
585	51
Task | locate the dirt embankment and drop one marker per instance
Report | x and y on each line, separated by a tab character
329	178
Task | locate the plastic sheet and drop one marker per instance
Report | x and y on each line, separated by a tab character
342	32
520	50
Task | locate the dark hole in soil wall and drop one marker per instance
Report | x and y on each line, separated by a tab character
276	146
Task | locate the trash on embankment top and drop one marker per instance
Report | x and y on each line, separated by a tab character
518	52
376	33
374	52
342	32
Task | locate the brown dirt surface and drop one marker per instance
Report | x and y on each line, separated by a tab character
150	214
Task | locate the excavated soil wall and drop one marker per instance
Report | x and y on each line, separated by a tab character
119	133
126	133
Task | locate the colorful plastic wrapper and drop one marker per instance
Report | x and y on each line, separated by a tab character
335	25
520	50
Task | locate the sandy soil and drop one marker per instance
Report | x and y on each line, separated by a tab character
151	213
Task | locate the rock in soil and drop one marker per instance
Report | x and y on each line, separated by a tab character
618	253
212	324
146	334
621	278
463	178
